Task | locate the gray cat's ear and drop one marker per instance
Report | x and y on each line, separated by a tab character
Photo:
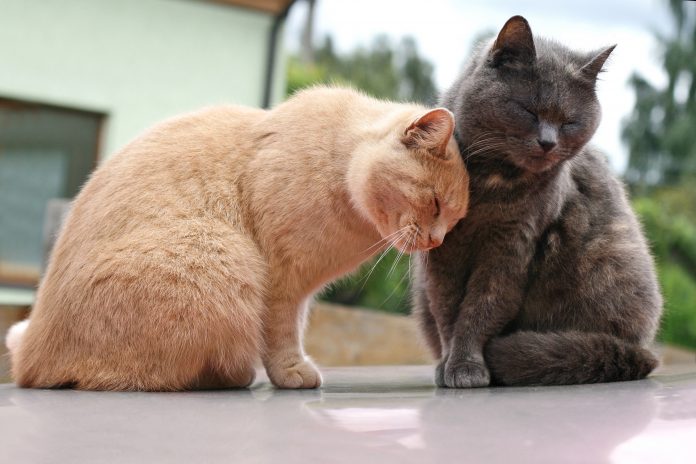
430	132
514	44
593	67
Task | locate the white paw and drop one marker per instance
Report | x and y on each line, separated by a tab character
303	374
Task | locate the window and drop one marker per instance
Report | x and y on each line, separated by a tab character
46	152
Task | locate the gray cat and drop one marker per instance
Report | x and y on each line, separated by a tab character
548	280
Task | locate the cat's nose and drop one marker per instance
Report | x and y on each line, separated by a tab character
546	145
547	136
434	241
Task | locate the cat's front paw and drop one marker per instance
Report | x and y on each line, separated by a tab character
464	374
303	374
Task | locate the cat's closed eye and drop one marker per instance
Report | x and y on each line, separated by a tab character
528	111
436	203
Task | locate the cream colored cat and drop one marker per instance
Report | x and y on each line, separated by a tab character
194	251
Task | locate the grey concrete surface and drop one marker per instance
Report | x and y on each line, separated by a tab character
361	415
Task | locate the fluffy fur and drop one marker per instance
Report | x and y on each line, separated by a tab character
548	280
194	251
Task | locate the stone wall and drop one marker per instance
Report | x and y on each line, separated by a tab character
340	336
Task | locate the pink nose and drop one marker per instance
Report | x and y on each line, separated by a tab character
434	241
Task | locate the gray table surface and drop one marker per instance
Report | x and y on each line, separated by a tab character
361	415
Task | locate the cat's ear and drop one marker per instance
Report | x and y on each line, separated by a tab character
514	45
430	132
593	67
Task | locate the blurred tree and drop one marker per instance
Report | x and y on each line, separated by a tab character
662	171
660	131
417	74
383	70
394	71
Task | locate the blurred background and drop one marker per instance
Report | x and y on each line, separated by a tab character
80	78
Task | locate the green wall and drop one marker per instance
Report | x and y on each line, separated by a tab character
137	61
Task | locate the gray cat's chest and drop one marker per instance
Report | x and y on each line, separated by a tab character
509	228
486	231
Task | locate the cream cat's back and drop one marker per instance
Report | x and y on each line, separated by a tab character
183	158
182	169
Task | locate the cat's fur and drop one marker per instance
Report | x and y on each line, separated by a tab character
548	280
194	251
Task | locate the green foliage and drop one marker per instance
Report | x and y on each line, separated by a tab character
300	76
679	323
660	130
669	221
383	70
662	169
382	285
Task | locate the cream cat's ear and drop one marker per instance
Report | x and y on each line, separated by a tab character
431	132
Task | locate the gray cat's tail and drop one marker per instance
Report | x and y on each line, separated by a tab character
564	358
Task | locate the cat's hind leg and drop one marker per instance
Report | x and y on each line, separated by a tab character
227	286
155	315
212	378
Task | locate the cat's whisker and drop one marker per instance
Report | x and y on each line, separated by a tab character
410	243
482	135
488	144
410	259
485	137
488	135
484	150
395	263
383	241
480	142
396	287
407	274
480	147
381	257
410	265
401	253
372	268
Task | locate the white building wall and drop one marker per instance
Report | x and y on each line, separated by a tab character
138	61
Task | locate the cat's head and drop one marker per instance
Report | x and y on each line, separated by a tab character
525	101
409	179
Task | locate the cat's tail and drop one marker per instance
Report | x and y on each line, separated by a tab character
564	358
14	337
